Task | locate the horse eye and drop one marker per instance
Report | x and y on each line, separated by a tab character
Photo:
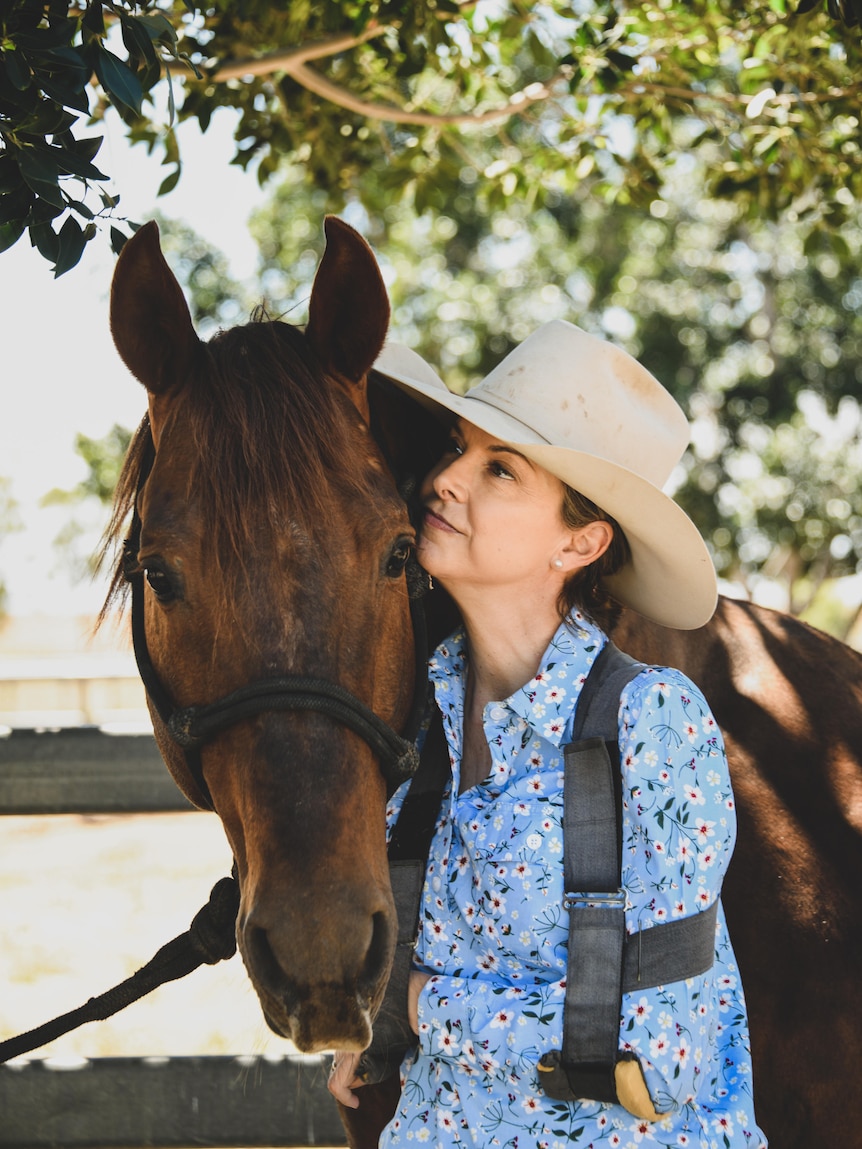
160	584
398	558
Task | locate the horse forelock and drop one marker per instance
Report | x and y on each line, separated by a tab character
271	438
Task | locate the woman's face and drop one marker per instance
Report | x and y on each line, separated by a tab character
492	517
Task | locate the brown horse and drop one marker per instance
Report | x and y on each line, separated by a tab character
263	562
269	546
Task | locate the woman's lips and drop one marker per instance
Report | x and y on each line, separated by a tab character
432	519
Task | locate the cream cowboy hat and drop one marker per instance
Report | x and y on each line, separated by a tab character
590	414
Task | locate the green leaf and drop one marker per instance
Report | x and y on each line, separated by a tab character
17	69
63	77
10	233
88	147
45	240
58	34
81	208
10	177
41	211
73	164
47	118
172	107
41	174
170	182
118	80
72	241
68	96
118	240
158	27
142	54
93	21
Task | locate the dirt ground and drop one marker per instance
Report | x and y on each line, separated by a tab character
87	900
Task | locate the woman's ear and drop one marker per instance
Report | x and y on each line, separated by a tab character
583	546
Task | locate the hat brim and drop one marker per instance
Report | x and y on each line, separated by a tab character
670	578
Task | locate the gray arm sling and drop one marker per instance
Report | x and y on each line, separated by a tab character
604	962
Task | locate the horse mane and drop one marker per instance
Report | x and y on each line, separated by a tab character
270	435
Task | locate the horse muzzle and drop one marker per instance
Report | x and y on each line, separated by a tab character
320	983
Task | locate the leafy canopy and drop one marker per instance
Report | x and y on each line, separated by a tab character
404	99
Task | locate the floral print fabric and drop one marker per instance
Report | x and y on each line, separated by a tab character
493	930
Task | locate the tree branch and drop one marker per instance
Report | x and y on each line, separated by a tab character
733	99
293	62
285	59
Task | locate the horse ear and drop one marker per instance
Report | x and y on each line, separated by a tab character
348	314
150	319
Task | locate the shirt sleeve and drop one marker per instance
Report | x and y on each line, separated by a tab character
679	829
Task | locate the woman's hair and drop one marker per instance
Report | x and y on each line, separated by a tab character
585	589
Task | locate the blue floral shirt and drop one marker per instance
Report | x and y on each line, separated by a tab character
493	931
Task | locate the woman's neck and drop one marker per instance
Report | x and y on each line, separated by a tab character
506	643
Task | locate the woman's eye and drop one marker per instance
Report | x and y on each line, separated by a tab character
160	584
398	558
501	471
453	447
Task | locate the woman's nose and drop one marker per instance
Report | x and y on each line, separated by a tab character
448	479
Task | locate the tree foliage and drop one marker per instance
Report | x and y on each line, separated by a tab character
755	327
393	99
50	54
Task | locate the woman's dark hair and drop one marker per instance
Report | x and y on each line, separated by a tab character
585	590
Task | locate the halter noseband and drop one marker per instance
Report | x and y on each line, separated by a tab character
191	727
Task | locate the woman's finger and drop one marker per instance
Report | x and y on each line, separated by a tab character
343	1079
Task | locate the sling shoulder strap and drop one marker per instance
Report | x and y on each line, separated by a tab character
603	960
408	849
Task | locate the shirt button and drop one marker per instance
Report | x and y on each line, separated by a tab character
497	712
534	841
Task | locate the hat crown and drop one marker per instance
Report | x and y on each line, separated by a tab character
570	389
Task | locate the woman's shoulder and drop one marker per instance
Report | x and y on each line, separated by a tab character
659	686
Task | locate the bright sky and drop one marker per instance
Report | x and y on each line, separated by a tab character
59	373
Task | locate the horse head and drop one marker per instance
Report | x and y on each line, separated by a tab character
270	543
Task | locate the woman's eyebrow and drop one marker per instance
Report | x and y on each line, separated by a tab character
504	449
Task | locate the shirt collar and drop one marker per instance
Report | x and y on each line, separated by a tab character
547	701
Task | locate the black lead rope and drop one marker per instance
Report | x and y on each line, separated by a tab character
211	938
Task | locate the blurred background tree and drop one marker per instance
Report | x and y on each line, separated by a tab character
756	328
682	178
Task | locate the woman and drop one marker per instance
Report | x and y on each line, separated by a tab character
544	514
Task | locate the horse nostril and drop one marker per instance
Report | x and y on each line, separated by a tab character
377	955
265	963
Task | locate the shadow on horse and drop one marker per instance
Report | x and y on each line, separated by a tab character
270	544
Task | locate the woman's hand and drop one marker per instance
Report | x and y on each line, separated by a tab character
342	1075
343	1079
414	988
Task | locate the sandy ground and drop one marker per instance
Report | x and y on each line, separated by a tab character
86	901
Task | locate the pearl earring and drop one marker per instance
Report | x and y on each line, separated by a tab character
558	564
